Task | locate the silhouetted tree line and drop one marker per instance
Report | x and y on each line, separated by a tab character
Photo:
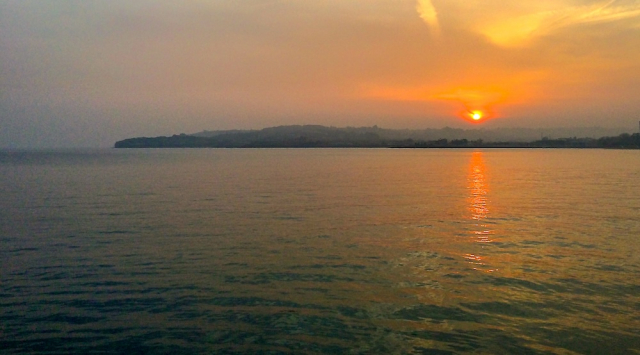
331	137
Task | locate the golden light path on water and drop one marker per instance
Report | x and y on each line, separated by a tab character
479	189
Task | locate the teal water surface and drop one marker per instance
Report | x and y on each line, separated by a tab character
320	251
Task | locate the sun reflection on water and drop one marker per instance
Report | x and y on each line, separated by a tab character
479	189
477	185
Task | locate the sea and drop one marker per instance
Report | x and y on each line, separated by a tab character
320	251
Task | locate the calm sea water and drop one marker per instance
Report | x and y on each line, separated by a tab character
320	251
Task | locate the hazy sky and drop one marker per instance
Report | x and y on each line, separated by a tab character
89	72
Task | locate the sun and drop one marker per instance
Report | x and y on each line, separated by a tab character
475	115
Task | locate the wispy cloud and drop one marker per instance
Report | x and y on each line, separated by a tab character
429	14
519	24
523	28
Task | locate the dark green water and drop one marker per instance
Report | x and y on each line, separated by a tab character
332	251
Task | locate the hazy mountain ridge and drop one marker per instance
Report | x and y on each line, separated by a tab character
321	136
487	135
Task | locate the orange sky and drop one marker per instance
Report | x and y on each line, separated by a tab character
86	68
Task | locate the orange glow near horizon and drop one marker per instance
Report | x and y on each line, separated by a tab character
477	103
462	99
473	105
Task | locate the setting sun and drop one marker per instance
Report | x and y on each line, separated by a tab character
475	115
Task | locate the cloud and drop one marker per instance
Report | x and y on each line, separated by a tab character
524	28
520	24
428	13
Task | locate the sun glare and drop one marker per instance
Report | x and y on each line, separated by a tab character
475	115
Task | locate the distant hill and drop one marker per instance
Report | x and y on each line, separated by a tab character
217	133
488	135
372	137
